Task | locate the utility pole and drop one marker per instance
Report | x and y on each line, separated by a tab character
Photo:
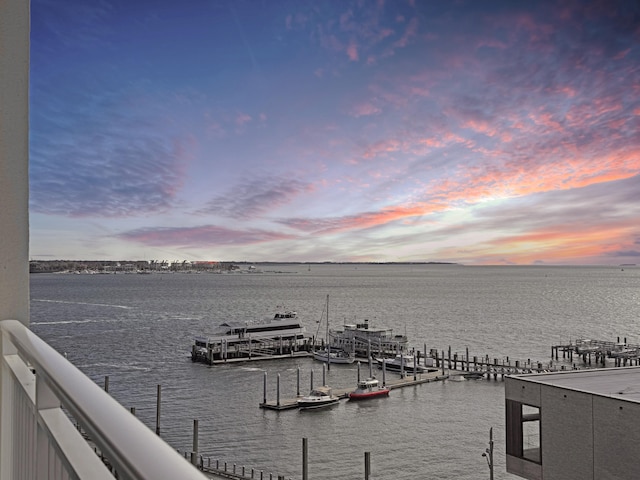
488	454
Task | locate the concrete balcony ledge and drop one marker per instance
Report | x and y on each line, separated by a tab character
38	440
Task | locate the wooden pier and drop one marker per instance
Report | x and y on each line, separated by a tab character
409	379
252	350
599	351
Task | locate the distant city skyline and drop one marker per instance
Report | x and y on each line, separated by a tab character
336	131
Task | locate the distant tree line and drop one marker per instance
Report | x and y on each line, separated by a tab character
126	266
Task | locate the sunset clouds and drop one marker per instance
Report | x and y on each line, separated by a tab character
474	132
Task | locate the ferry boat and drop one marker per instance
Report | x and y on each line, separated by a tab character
369	388
318	398
281	333
400	363
362	339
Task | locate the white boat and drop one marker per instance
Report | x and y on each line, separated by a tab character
332	355
400	363
318	398
362	339
587	346
369	388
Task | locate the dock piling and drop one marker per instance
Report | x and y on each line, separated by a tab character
158	410
278	390
264	390
305	459
367	465
194	453
467	358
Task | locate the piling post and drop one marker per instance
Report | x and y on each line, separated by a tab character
158	410
324	374
106	383
415	369
467	358
367	465
425	355
298	381
264	388
133	411
443	362
384	378
194	453
278	390
311	379
358	372
305	459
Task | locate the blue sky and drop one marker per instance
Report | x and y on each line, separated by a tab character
472	132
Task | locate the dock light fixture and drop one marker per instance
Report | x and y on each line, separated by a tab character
488	454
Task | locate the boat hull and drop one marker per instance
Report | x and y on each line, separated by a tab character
333	358
315	404
383	392
396	366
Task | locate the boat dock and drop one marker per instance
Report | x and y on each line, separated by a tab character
621	352
408	380
251	351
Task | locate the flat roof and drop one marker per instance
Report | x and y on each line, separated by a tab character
621	382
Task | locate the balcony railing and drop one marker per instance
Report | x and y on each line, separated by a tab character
38	440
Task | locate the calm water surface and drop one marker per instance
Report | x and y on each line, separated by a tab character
138	330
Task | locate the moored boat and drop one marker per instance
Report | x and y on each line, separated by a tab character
333	356
401	363
318	398
282	332
369	388
362	339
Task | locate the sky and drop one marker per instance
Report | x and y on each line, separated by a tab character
475	132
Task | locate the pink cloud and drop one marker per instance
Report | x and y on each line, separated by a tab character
206	236
359	221
364	109
352	51
242	118
409	33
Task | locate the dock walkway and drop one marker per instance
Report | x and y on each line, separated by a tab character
409	380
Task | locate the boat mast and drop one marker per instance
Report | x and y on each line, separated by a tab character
328	348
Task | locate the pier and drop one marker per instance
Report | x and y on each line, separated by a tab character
251	350
599	351
407	379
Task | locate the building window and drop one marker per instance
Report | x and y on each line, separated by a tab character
523	431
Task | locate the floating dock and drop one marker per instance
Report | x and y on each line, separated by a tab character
408	380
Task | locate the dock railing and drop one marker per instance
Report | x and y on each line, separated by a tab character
39	440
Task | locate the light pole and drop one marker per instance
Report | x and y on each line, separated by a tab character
488	454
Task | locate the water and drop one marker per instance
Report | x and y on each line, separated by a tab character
138	329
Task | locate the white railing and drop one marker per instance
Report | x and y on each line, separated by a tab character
38	440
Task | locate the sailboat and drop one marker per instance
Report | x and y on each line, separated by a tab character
327	354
